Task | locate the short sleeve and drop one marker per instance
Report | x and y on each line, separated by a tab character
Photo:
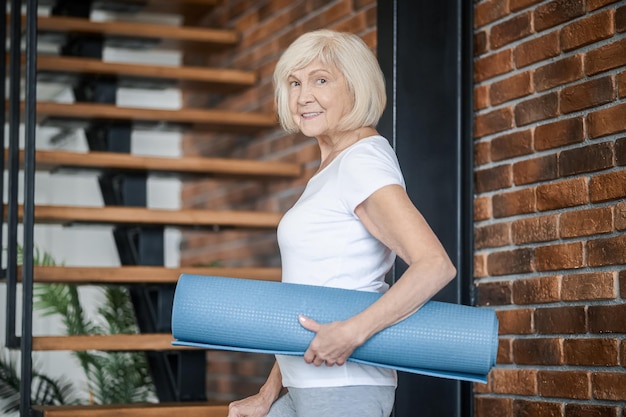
365	169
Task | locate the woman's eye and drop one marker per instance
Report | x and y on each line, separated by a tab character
294	84
321	81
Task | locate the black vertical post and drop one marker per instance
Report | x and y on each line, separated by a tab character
30	120
3	94
425	52
14	167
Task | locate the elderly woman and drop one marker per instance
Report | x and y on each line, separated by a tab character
352	219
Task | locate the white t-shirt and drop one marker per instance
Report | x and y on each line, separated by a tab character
322	242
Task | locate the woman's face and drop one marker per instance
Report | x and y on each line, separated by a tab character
318	99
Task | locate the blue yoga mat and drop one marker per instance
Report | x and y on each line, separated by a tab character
440	339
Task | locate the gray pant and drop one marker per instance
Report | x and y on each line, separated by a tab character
352	401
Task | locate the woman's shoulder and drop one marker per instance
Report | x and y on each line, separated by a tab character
373	146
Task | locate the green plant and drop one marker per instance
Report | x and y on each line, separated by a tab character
112	377
46	390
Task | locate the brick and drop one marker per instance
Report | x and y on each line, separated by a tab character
620	216
588	30
515	261
596	4
607	57
564	384
586	95
620	19
536	50
510	30
586	222
482	388
493	293
492	407
492	235
517	5
481	97
514	381
591	158
511	145
562	256
561	194
590	410
515	321
561	320
535	229
492	65
559	133
609	186
609	251
542	351
527	408
535	170
493	122
515	86
482	153
609	386
513	203
489	11
482	208
607	318
621	84
480	266
537	109
480	43
505	351
622	353
620	152
591	352
536	290
355	23
493	178
556	12
558	73
588	286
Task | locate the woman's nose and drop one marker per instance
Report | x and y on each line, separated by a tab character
305	95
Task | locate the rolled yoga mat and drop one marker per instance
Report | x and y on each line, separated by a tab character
440	339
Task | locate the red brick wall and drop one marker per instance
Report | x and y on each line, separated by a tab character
267	28
550	216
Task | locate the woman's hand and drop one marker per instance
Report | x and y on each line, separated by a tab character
259	405
333	343
255	406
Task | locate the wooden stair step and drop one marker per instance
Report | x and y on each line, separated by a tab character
136	410
51	160
112	342
144	274
170	6
218	79
141	216
197	118
167	36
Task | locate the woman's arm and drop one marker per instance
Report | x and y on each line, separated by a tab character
259	404
390	216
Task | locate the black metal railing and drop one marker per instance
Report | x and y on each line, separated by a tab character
30	120
30	112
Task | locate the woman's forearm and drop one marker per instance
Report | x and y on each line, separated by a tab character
420	282
273	386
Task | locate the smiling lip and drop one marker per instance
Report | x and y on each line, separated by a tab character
310	115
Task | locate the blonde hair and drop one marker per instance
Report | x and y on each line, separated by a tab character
349	54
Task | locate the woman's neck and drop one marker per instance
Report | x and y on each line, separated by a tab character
331	146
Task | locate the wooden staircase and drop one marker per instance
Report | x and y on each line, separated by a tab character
220	80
